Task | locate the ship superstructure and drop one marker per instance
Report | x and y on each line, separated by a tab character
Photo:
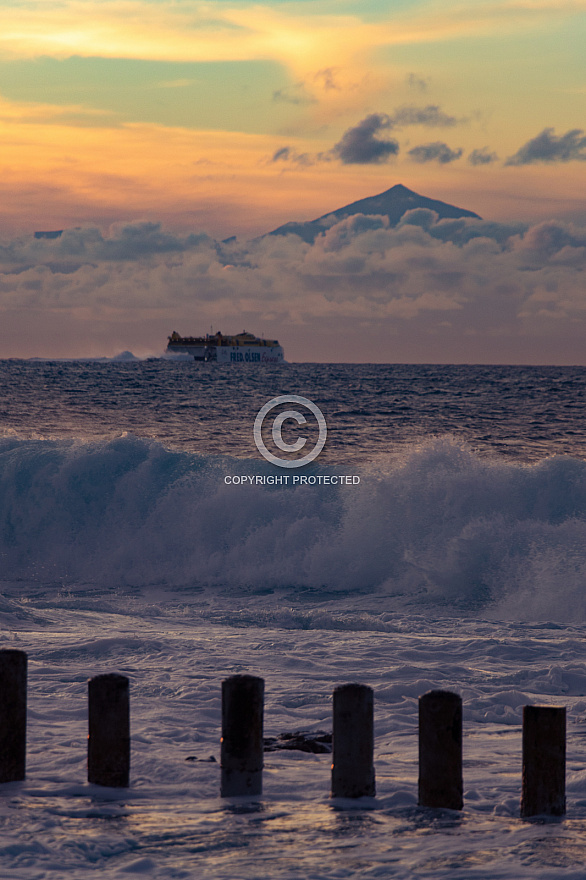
241	348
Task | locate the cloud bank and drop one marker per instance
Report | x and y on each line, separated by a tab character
360	145
435	152
547	147
426	289
484	156
431	116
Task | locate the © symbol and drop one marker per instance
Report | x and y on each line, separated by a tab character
278	427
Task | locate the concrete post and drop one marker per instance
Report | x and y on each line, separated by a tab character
544	761
242	735
440	750
12	715
108	754
353	742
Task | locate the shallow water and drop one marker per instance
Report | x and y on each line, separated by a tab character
171	821
457	561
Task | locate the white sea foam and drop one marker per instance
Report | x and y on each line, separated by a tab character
440	527
171	822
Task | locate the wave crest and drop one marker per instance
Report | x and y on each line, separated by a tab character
440	528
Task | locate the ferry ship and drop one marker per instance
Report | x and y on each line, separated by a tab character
242	348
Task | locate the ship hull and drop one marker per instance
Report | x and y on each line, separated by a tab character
231	354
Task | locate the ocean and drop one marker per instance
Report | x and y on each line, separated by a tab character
438	541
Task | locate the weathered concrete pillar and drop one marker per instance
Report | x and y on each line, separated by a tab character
544	761
12	715
108	752
242	739
440	750
353	742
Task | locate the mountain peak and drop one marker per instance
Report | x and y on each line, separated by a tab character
398	188
392	203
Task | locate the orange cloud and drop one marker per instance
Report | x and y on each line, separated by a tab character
56	175
197	32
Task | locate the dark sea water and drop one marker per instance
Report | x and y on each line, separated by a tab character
520	413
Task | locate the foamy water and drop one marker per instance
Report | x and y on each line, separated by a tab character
458	561
437	527
171	822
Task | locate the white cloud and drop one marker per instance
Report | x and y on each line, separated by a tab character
501	285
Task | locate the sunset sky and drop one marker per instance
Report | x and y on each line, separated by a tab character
157	120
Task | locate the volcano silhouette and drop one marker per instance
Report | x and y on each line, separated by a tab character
393	203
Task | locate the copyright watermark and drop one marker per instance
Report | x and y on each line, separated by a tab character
277	430
296	480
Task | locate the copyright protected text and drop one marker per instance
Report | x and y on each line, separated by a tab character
293	480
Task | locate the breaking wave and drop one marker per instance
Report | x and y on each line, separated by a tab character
440	528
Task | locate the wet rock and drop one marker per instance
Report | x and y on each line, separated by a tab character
316	742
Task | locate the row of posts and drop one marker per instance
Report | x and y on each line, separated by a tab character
440	740
108	747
